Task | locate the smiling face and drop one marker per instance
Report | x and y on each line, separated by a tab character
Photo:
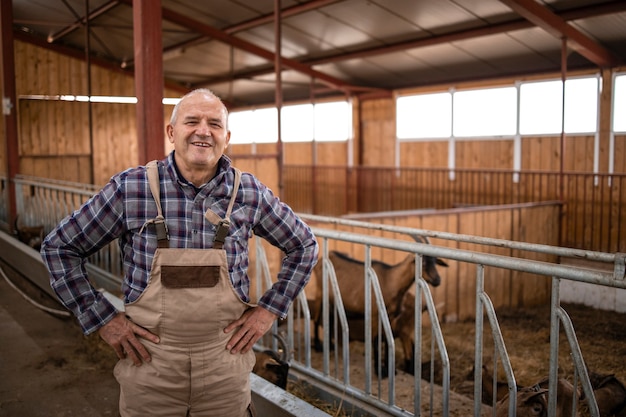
200	134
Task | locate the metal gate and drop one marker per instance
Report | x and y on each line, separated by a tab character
332	368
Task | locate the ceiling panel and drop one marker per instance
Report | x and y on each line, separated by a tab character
381	44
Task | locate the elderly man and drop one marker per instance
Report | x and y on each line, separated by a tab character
183	224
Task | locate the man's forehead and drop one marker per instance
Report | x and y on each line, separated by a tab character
198	106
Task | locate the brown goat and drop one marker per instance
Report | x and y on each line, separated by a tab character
273	367
403	328
610	394
533	401
502	388
394	281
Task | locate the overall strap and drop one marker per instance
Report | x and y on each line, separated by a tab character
222	227
159	221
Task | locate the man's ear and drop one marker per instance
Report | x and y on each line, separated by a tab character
170	134
227	139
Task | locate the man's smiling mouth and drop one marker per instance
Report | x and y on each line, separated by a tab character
202	144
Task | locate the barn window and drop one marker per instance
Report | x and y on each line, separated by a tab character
253	126
485	112
619	104
541	106
424	116
322	122
297	123
333	121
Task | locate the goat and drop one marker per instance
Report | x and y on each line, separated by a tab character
487	397
271	366
403	328
30	235
394	281
610	394
533	400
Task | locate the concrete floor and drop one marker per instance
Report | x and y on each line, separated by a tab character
44	369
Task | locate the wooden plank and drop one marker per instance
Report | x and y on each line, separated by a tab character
299	153
477	154
431	154
63	76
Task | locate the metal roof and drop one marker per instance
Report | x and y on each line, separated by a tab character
337	46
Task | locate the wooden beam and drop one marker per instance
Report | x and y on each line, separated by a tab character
148	44
556	26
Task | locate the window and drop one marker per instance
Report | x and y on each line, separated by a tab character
493	111
541	105
581	105
333	121
299	123
254	126
619	104
424	116
486	112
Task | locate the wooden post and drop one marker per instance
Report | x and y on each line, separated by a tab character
149	79
9	103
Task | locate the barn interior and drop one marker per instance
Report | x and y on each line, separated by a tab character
562	190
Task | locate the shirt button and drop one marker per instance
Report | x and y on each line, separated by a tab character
195	231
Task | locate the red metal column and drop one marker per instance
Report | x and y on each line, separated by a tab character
8	102
562	144
278	67
149	79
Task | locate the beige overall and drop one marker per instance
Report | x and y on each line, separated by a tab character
188	302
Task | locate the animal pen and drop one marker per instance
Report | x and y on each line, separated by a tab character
518	266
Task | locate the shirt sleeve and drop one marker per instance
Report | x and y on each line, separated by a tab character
281	227
65	251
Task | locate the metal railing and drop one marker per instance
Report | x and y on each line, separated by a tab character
45	202
52	201
388	404
594	214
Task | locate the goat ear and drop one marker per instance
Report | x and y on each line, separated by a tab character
441	262
272	363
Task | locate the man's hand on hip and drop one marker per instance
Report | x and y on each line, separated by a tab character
121	334
254	322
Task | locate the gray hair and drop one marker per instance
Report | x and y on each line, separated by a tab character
207	92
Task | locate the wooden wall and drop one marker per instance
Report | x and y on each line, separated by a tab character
56	140
54	135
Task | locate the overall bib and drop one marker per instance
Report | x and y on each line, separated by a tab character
188	302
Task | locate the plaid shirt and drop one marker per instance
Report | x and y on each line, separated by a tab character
124	205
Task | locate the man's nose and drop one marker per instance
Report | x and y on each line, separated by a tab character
203	128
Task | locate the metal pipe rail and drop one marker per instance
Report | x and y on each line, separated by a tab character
480	260
517	264
53	196
614	258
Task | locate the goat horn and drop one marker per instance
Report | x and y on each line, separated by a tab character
421	239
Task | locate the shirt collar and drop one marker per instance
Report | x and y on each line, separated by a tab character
223	165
